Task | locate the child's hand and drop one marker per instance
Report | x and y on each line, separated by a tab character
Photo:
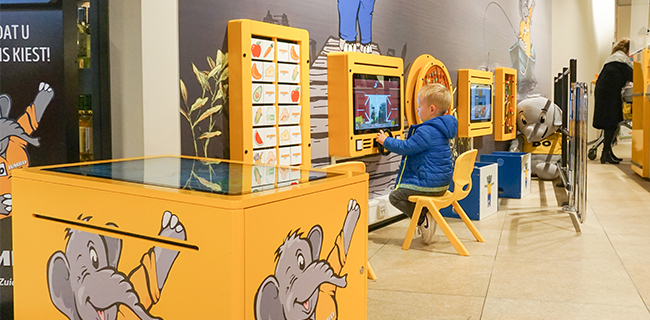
381	136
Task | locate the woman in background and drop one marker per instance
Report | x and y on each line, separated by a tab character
608	109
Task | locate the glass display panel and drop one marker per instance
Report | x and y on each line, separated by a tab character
376	102
480	97
209	175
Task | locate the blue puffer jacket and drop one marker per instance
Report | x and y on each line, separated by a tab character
426	163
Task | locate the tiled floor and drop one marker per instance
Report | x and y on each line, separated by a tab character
533	264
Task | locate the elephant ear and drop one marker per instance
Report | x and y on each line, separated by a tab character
5	105
267	301
113	248
557	118
58	282
315	237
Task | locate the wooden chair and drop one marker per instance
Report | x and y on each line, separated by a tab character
462	186
354	166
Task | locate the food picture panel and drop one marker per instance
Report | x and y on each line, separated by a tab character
262	49
296	136
265	156
285	136
296	155
258	93
284	156
263	175
269	71
288	94
294	115
288	73
284	113
268	93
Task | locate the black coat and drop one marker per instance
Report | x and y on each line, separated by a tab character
608	108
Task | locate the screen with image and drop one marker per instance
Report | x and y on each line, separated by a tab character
480	96
376	103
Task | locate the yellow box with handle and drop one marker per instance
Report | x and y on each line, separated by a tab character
181	238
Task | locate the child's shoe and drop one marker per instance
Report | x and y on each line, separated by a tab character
427	226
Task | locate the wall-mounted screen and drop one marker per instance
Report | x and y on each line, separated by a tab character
376	103
480	102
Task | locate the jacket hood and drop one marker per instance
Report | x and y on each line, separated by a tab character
446	124
619	56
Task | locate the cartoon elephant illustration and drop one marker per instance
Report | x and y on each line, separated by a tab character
304	285
14	137
84	282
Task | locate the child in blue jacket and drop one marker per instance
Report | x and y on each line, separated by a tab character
426	167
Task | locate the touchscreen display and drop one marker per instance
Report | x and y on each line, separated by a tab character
377	104
480	102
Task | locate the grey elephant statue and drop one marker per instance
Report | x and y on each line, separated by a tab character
84	282
538	120
304	285
15	135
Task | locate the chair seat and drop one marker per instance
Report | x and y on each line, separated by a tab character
442	201
462	178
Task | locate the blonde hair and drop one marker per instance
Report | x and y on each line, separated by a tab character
622	45
436	94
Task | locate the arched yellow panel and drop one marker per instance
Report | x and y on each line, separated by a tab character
425	70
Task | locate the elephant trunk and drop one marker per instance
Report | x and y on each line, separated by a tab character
316	274
114	289
9	127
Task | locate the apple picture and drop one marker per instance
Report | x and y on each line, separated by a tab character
295	94
256	50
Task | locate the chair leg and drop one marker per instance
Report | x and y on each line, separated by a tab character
444	226
371	273
411	230
468	222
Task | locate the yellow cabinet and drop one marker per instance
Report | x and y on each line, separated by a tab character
184	238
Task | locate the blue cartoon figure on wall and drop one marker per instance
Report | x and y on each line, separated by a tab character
352	12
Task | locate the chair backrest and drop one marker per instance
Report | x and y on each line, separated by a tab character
350	166
463	174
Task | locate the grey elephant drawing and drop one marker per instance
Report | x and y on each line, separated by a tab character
304	285
15	135
84	282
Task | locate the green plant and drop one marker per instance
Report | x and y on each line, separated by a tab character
214	87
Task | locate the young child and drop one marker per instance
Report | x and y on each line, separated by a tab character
426	167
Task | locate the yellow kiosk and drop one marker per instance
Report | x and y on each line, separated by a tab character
364	95
184	238
474	103
641	115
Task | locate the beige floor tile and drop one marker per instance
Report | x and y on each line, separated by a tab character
556	245
631	249
640	274
391	305
418	270
505	309
597	281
